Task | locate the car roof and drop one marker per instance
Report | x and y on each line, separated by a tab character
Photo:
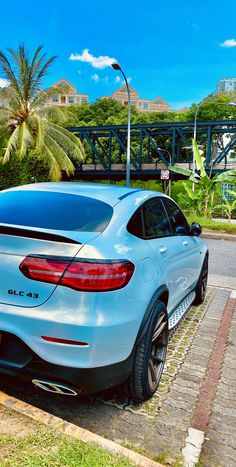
110	194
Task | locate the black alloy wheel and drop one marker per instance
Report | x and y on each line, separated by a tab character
150	356
201	287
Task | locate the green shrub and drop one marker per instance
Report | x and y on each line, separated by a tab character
22	171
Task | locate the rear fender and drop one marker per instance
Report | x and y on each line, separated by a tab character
162	291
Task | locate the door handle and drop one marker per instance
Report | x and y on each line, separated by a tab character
163	250
185	243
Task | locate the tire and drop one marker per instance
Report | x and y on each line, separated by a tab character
149	356
201	286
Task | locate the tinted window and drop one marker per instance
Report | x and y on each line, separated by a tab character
179	223
50	210
156	221
135	225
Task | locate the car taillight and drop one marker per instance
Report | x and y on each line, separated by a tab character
94	276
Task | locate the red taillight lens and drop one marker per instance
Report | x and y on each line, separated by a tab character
93	276
79	275
43	269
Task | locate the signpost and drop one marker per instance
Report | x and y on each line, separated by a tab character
165	175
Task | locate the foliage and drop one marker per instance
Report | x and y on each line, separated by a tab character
202	198
32	168
27	123
228	206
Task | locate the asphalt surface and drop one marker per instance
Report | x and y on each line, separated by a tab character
222	263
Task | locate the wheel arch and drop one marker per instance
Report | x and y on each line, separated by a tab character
161	294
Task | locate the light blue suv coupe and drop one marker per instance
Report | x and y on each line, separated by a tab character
92	277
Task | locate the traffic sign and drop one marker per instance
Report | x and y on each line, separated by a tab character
165	174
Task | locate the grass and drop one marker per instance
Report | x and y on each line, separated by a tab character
224	227
46	449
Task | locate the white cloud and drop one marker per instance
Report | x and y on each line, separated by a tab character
228	43
129	79
95	78
100	62
3	83
117	79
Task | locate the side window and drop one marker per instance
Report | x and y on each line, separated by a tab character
135	225
178	221
156	222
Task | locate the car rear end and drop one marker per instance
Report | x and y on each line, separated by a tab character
62	317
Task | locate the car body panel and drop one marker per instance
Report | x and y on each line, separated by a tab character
107	322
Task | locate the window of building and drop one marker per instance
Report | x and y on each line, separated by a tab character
71	100
84	100
63	84
145	106
55	99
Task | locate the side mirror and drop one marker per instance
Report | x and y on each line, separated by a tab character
195	229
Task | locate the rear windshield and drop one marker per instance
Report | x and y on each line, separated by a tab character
57	211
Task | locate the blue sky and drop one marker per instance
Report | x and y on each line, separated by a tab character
174	49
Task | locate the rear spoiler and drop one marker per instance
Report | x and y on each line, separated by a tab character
19	232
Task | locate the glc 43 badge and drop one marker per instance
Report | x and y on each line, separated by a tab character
21	293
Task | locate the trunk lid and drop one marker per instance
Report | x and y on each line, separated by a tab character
18	243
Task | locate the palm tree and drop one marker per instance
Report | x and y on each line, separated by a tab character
27	122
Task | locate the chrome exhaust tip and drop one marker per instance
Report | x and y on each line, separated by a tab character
56	388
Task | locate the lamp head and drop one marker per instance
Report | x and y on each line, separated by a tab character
116	66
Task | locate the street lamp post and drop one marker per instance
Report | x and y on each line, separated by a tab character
116	66
232	104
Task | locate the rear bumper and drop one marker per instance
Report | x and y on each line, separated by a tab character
18	360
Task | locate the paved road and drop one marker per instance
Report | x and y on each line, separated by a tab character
222	266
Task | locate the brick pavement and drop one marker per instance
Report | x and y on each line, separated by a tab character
219	448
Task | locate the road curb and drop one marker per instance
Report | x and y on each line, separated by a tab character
72	430
219	236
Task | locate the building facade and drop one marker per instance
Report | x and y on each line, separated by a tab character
71	97
226	85
143	105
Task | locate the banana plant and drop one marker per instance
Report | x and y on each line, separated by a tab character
206	188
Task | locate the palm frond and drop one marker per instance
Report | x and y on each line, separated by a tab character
67	140
36	128
54	168
12	145
60	155
9	73
25	139
42	72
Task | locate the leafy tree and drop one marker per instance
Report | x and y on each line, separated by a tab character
28	123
